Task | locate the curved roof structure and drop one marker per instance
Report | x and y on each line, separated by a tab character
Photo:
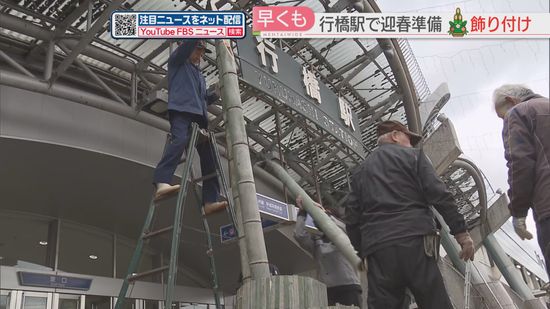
68	42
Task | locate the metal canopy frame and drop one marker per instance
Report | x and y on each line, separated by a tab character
67	43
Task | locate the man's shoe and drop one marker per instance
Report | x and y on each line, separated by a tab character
164	189
210	208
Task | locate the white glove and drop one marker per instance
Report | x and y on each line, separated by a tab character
521	228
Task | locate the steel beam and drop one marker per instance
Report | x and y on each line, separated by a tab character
393	54
90	73
327	158
157	51
89	15
19	25
289	130
361	60
376	116
86	39
61	27
48	66
69	93
15	64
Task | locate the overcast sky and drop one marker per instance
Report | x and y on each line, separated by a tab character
473	69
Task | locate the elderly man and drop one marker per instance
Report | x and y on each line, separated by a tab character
526	136
340	277
391	224
187	103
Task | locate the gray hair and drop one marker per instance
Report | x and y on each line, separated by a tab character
510	90
385	139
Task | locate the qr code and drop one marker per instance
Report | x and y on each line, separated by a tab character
125	25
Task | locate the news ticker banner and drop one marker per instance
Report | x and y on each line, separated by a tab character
302	22
170	25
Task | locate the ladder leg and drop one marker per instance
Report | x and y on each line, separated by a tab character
488	286
136	256
210	252
467	281
178	216
223	182
213	271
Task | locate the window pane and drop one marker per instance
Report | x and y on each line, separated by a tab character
33	302
4	301
97	302
69	301
151	304
23	240
85	250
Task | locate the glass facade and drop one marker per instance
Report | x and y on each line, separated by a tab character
97	302
29	242
23	240
4	300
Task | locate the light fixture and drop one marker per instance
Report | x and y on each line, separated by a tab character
93	257
43	243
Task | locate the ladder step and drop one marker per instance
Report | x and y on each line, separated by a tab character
203	178
158	232
147	273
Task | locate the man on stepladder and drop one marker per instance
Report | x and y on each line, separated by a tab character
187	103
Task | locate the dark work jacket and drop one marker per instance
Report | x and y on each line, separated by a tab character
526	136
334	269
390	198
186	85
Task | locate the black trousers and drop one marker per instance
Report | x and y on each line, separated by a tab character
405	265
543	235
345	295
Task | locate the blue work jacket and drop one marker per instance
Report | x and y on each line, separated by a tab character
186	85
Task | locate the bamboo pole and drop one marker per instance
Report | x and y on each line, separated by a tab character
333	232
238	142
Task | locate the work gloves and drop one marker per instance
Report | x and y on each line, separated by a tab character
521	228
467	245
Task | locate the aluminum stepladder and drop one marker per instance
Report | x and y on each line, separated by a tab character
147	232
468	285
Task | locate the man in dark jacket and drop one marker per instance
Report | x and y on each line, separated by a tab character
187	103
340	277
526	136
390	222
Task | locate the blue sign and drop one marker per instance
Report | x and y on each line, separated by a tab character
53	281
228	231
272	207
